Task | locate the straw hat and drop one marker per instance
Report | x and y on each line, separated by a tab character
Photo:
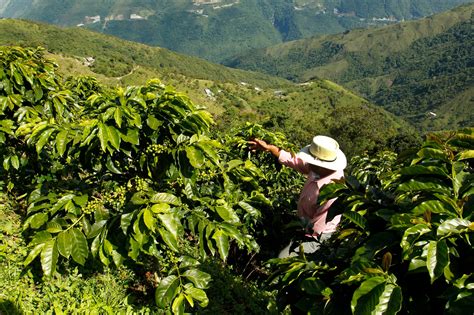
324	151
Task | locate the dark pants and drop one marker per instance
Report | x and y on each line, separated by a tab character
310	246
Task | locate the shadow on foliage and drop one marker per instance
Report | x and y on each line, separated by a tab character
229	294
8	307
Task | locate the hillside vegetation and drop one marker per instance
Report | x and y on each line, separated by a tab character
411	68
216	30
233	96
125	200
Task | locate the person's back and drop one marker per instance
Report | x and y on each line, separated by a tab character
322	162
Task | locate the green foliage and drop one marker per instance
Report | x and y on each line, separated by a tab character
124	175
71	292
134	178
405	240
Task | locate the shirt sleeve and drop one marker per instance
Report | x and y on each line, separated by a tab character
293	161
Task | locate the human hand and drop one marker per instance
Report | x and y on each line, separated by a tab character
257	144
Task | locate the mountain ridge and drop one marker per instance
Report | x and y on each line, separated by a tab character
401	67
216	30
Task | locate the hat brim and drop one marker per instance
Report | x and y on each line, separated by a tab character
339	163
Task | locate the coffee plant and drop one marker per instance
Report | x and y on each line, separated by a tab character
117	175
405	241
136	176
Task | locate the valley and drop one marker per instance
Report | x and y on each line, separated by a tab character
218	30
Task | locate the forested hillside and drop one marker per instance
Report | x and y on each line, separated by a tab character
215	30
233	96
420	70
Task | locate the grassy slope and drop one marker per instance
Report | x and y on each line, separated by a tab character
115	57
359	60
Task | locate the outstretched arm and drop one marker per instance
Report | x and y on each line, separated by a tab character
284	157
257	144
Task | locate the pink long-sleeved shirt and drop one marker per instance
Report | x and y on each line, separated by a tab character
307	204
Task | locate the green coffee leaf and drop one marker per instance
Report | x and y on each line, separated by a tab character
103	135
453	226
430	153
64	243
149	219
166	291
416	185
423	170
160	208
111	166
118	117
117	258
36	220
250	209
437	259
43	139
49	257
33	254
40	237
171	223
199	278
376	296
222	242
61	141
195	156
178	305
15	162
410	236
80	248
169	239
113	136
96	228
186	262
61	203
313	286
356	218
166	198
434	206
125	221
227	213
53	227
198	295
131	137
153	123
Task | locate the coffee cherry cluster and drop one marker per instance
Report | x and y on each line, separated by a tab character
115	199
138	184
155	149
92	206
206	175
168	260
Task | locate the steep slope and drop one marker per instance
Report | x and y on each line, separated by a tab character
414	69
114	57
233	96
217	29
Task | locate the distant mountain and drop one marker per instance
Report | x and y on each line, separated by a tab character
420	70
218	29
233	96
